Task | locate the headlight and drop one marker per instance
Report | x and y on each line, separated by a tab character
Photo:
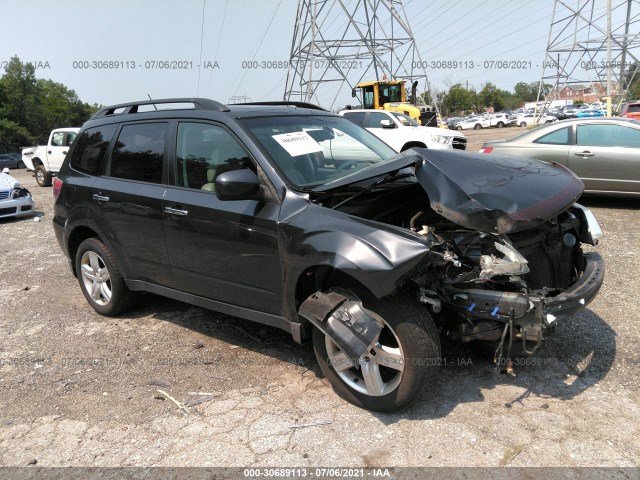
445	140
594	232
20	192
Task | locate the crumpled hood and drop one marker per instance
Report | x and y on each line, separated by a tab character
489	193
498	193
7	182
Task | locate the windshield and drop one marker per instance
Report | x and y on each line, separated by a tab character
405	120
313	150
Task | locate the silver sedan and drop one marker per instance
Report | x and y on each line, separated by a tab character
603	152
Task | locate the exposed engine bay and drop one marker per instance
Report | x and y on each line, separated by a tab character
487	286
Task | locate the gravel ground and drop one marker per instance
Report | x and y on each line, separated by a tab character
78	389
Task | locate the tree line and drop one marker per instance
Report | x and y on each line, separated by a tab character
31	107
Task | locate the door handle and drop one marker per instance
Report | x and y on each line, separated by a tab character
175	211
586	153
100	198
49	152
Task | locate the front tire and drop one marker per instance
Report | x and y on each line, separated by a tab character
500	125
43	178
405	356
523	124
100	279
20	164
477	126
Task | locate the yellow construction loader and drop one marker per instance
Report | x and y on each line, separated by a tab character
391	95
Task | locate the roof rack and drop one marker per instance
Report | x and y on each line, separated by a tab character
312	106
132	107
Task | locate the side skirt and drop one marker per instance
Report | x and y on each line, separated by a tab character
294	328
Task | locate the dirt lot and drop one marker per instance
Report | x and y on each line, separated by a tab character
78	389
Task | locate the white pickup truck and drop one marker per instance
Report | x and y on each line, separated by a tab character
46	160
401	132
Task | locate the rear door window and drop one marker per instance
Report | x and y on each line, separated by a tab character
139	152
559	137
355	117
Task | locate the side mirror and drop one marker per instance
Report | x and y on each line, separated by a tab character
353	92
237	184
387	124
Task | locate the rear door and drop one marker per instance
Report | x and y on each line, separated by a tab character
221	250
129	197
606	157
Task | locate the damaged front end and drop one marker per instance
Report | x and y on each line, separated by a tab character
496	287
504	236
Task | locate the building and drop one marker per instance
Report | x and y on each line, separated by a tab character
586	93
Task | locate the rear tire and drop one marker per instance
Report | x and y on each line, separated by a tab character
523	124
100	280
20	164
43	178
377	382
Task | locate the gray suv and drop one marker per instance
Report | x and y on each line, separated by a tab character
288	215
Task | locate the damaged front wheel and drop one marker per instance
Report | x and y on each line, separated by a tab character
404	356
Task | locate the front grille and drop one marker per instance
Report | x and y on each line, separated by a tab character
459	143
4	194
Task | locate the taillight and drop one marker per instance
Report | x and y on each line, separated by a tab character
486	150
57	186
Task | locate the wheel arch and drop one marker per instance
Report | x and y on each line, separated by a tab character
76	237
413	144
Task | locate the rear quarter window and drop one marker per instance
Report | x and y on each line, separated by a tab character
90	149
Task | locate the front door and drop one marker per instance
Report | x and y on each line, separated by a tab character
222	250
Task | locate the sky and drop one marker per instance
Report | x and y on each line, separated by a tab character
78	43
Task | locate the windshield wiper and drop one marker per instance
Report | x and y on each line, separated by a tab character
388	178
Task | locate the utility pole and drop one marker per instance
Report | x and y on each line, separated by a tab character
587	38
339	43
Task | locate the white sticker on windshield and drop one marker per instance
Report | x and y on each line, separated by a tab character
297	143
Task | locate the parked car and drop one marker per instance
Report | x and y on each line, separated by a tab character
45	160
589	112
252	210
631	109
475	123
533	119
498	120
15	200
11	160
452	121
603	152
402	132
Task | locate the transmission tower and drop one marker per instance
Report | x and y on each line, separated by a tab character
337	44
591	41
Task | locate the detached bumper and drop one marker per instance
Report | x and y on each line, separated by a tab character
578	296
